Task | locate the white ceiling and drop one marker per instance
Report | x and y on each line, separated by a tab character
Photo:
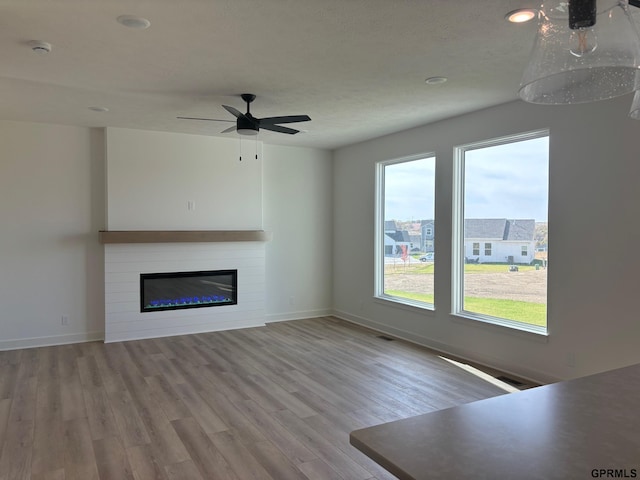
356	67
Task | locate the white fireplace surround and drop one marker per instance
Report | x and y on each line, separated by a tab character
124	262
179	203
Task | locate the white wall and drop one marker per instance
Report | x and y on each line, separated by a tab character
53	203
594	264
152	177
173	181
298	210
51	208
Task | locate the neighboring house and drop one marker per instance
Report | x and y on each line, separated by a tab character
427	235
416	242
390	226
499	240
393	242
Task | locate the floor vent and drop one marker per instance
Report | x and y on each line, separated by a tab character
510	381
384	337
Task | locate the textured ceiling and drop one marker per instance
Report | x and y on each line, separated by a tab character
356	67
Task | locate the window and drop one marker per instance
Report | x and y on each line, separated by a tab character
501	204
405	210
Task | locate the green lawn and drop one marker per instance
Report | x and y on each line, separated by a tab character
525	312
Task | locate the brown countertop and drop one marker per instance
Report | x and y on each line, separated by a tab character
567	430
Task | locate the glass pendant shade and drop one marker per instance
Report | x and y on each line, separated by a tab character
635	107
584	51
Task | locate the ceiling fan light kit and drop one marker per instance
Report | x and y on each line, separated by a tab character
584	51
245	126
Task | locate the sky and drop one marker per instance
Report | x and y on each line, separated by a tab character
409	190
501	181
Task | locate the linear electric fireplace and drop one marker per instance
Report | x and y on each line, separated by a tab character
178	290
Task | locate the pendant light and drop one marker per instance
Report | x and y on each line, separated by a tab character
584	51
635	107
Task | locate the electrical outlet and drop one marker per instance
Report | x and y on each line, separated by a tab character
65	319
191	205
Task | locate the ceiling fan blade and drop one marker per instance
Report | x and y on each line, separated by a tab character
279	129
206	119
233	111
230	129
285	119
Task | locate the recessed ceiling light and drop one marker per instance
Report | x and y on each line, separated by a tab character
435	80
131	21
98	109
521	15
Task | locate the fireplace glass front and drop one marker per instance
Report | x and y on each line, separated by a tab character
178	290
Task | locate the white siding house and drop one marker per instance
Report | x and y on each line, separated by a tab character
499	240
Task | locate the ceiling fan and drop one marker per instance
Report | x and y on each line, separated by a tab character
247	124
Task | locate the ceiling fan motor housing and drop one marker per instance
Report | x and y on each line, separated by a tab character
246	126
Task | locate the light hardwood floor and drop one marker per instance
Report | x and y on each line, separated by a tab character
275	402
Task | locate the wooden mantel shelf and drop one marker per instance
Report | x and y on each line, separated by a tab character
178	236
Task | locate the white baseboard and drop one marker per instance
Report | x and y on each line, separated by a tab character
522	371
301	315
51	341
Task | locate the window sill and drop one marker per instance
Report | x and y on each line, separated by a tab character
505	326
405	304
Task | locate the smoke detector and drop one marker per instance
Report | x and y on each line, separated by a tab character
40	47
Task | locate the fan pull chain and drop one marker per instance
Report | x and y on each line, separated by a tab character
240	149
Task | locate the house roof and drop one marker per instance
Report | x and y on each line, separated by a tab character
500	229
400	236
390	226
520	230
